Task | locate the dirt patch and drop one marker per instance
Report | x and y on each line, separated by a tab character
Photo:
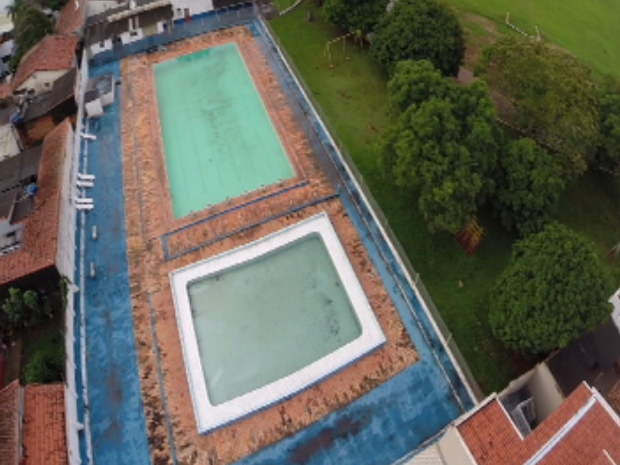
479	33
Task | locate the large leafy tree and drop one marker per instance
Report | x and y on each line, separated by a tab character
355	15
529	185
608	152
444	144
553	290
31	25
417	30
554	95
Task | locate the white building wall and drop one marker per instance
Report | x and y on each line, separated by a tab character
453	450
99	6
41	81
129	37
195	7
100	47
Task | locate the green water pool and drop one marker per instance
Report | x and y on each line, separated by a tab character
267	318
218	137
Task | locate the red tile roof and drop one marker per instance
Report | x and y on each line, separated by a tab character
39	246
72	18
53	53
9	424
6	90
492	438
45	440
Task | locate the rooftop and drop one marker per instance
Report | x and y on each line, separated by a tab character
582	431
44	424
591	358
53	53
9	423
62	90
38	250
14	172
72	18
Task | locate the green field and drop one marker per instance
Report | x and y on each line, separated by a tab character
352	95
589	29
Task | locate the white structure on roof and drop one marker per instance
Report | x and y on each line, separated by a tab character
184	8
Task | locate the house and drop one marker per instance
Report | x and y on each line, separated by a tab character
42	113
10	143
47	61
127	23
72	18
32	424
37	212
582	430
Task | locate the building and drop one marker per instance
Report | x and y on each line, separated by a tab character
10	143
37	215
50	59
583	430
32	424
42	113
127	23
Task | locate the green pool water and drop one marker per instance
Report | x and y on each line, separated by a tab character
219	139
269	317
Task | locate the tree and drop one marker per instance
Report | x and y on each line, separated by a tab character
554	95
418	30
529	185
444	146
23	309
31	25
13	8
355	15
608	151
553	290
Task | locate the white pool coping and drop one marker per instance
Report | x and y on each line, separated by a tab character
210	417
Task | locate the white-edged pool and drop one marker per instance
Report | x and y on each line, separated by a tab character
268	319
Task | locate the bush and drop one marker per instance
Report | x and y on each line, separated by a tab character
46	362
554	290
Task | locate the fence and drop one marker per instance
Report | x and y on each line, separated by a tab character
401	256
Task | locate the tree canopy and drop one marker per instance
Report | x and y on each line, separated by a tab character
444	144
355	15
529	185
418	30
553	290
554	95
31	25
608	152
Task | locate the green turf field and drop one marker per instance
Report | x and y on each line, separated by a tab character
589	29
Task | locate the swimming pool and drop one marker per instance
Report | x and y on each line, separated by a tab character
269	319
218	137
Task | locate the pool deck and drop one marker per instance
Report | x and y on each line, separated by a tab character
374	411
150	267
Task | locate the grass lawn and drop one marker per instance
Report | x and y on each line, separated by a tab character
589	29
352	94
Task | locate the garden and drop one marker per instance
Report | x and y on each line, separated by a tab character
432	166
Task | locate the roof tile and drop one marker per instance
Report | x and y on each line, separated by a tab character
39	246
53	53
493	439
72	18
45	440
9	424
